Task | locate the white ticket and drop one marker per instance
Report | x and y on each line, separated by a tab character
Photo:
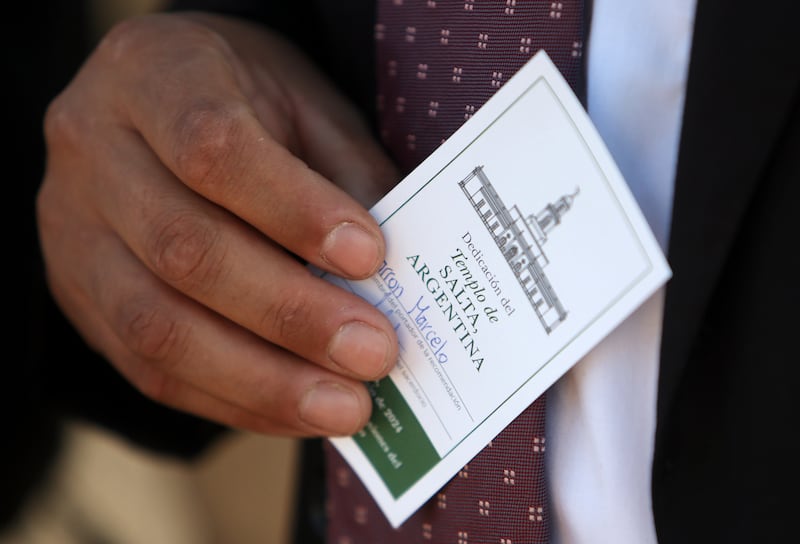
511	252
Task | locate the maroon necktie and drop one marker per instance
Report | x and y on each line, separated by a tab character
438	62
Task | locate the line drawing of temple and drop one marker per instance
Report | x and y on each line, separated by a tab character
520	239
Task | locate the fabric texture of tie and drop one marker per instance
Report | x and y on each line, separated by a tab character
438	62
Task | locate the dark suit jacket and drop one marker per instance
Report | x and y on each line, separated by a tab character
724	468
726	459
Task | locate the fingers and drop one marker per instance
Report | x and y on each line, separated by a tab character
217	260
171	216
180	354
199	122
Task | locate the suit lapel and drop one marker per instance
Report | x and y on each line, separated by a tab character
743	78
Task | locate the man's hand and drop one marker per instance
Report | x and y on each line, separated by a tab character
192	170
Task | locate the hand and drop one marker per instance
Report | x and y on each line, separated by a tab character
192	168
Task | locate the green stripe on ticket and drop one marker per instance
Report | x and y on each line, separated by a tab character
394	441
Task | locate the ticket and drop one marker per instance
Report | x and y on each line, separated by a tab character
512	250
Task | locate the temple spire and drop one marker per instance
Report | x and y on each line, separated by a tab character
550	216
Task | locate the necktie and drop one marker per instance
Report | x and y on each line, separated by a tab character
438	62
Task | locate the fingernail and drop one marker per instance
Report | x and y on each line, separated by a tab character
361	349
331	407
352	250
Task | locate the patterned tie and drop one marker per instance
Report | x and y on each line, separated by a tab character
438	62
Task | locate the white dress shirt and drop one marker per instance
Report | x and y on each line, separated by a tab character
601	414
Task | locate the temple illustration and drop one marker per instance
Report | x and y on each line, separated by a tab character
520	239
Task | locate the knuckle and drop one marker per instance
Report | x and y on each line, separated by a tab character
185	249
288	319
209	135
151	333
63	126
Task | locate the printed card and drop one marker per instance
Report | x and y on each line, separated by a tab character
511	251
